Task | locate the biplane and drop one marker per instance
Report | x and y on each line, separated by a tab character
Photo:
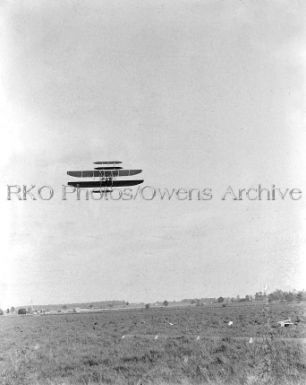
105	174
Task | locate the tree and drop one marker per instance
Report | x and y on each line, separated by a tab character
165	303
289	296
12	309
220	299
147	306
1	312
277	295
259	296
299	296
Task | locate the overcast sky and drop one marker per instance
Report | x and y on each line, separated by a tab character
197	94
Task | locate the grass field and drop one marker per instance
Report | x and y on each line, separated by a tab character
142	347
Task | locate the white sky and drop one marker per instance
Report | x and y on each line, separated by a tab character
197	94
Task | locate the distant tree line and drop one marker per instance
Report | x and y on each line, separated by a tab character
276	296
287	296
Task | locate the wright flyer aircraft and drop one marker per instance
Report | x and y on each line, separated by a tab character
106	175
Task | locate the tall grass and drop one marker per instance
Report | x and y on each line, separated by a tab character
89	349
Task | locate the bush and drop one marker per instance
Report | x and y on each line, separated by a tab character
22	311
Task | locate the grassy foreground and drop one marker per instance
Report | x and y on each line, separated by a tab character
156	346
